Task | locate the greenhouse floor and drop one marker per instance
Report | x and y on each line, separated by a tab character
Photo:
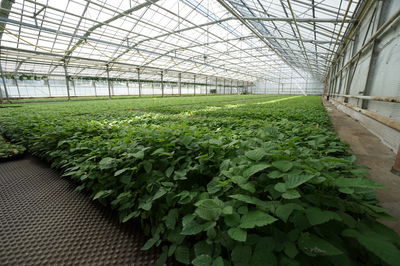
45	221
370	151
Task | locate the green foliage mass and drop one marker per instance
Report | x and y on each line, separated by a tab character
218	180
9	150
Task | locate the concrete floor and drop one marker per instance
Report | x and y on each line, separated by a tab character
370	151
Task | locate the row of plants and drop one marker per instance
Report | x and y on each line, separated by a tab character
21	77
234	181
24	76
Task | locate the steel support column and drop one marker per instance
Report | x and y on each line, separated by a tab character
162	84
17	85
73	85
4	83
139	83
66	79
206	84
224	87
95	88
373	59
180	83
48	86
109	82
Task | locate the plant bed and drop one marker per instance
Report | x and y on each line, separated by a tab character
261	182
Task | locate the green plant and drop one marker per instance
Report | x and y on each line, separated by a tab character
213	91
9	150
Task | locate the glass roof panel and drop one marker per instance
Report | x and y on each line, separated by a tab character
233	39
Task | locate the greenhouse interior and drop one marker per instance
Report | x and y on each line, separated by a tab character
200	132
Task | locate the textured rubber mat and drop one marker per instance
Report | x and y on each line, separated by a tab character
44	221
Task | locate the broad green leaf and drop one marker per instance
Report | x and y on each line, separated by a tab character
147	166
291	194
346	190
238	179
102	194
250	200
290	249
294	181
362	172
184	197
255	169
232	220
130	216
171	249
138	155
359	182
255	219
202	260
159	151
237	234
275	174
191	227
243	209
150	243
377	245
347	219
169	171
280	187
248	187
171	218
227	210
213	187
217	142
284	211
186	139
119	172
163	258
283	165
161	192
182	254
218	262
211	233
317	216
146	205
256	154
106	163
202	248
209	209
313	246
175	236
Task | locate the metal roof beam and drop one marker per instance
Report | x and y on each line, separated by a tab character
101	63
6	6
108	21
297	39
297	20
245	23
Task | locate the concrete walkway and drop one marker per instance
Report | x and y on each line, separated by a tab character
370	151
